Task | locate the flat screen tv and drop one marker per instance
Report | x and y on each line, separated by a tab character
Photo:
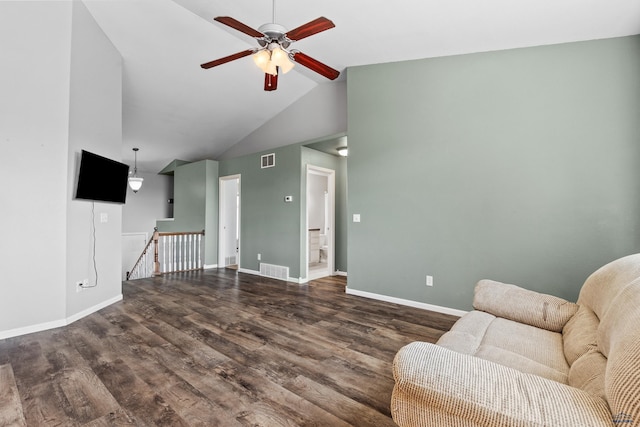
101	179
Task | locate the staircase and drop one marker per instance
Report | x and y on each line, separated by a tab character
169	252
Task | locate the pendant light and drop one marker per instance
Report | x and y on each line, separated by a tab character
135	182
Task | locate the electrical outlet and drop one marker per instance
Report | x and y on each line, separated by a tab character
429	280
259	257
78	286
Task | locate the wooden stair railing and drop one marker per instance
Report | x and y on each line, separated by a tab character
172	252
144	265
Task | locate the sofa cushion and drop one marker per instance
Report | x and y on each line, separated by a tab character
527	348
587	373
542	347
522	363
579	334
467	333
522	305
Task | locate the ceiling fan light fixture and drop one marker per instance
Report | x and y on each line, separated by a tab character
273	56
281	58
271	68
261	58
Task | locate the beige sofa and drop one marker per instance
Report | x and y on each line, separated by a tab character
527	359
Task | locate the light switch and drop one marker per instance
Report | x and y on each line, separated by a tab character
356	217
104	217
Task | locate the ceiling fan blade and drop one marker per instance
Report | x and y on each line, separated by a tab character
237	25
270	82
227	59
315	65
310	28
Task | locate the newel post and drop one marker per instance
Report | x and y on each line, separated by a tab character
156	263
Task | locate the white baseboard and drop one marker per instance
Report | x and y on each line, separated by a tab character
257	273
210	266
58	323
93	309
32	328
410	303
246	270
340	273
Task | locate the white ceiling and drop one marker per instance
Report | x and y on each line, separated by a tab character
175	109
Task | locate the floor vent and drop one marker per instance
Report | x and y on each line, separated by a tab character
274	271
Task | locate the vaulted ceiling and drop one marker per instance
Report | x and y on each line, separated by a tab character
172	108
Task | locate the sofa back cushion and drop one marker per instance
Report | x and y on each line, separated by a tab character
588	373
579	334
522	305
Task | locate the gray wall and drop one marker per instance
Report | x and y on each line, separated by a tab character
517	165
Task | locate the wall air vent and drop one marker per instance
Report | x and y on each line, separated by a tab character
274	271
268	160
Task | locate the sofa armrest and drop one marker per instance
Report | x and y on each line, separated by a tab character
436	386
523	305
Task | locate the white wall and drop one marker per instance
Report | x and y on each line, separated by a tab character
34	64
95	124
149	204
61	92
317	185
321	112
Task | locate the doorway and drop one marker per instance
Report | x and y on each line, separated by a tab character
229	222
320	222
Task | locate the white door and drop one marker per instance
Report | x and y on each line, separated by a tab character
229	225
320	222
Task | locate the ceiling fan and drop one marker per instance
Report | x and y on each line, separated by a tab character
274	54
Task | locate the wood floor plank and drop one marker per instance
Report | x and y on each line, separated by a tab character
354	413
10	405
136	396
215	348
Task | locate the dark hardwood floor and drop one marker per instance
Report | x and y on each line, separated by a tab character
215	348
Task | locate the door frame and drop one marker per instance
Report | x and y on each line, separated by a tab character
222	212
330	174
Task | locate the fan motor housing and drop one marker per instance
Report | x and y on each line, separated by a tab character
275	32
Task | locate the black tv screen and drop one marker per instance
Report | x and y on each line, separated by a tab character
101	179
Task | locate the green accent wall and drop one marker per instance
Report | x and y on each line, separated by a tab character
272	227
196	204
339	165
516	165
269	226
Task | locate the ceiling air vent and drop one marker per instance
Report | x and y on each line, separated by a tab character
268	160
